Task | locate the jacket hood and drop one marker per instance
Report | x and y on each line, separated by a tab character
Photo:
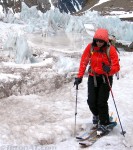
102	34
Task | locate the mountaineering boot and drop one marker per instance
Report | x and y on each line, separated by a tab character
105	129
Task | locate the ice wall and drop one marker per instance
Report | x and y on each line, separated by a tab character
53	21
121	29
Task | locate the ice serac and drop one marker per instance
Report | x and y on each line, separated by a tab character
23	53
75	25
56	21
18	46
28	13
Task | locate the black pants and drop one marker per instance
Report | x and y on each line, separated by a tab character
98	98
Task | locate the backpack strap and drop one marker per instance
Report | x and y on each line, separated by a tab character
108	54
91	50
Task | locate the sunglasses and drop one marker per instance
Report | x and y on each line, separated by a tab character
100	41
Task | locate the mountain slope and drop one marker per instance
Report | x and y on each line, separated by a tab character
106	7
115	5
70	6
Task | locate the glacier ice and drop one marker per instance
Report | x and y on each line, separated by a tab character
18	45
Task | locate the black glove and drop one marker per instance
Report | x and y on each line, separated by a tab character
77	81
106	68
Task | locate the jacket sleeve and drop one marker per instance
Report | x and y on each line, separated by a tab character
115	66
84	61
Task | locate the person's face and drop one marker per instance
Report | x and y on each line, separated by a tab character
99	42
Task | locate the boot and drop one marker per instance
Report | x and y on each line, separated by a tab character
105	129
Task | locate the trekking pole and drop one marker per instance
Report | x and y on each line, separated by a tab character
123	132
76	108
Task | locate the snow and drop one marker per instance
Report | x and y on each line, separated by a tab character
7	77
122	14
99	3
52	6
37	104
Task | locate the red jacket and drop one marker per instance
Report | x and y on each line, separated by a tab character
97	59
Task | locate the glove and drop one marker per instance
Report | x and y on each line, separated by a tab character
77	81
106	68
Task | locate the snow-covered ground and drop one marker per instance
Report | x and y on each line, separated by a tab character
37	105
